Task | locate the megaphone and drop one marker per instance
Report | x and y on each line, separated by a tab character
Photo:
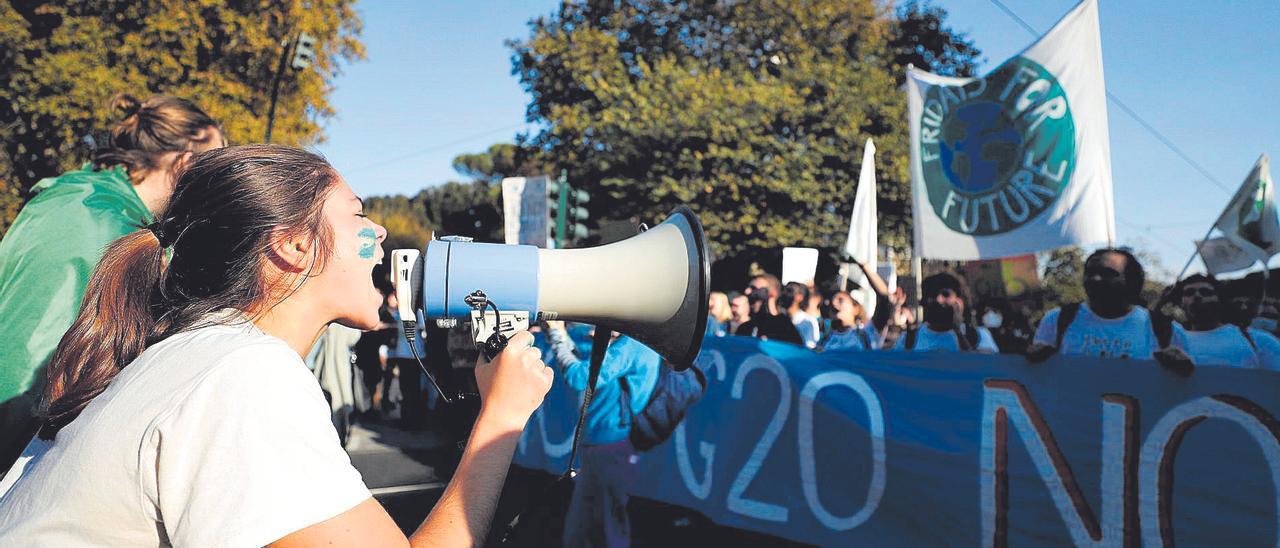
652	287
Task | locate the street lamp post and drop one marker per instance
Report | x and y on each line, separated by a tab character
304	54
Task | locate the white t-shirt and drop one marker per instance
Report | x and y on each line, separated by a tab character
928	340
1129	336
1226	346
807	326
219	436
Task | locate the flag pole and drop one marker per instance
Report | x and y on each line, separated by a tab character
1266	277
1196	252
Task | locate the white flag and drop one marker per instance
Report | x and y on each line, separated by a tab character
862	242
1222	255
1249	219
1017	161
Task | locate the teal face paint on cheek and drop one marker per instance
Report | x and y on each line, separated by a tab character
370	244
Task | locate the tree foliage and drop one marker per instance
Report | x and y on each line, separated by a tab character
61	61
753	113
471	209
500	160
1063	280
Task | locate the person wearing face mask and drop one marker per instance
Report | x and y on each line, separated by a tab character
947	325
1111	323
1210	341
1011	331
1239	310
767	321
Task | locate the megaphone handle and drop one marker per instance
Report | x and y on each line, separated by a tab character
599	344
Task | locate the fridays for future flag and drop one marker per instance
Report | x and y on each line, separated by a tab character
862	240
1249	220
1017	161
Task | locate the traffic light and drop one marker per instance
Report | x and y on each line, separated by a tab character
570	213
304	52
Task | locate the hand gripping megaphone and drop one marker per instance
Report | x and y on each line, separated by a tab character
652	287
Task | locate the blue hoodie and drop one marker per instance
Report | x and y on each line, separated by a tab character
607	420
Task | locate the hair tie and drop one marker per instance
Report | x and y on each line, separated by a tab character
159	234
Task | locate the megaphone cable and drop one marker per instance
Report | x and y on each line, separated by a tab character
599	344
411	336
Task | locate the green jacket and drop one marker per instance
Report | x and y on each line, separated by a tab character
46	258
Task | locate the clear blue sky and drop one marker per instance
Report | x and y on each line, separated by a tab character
438	83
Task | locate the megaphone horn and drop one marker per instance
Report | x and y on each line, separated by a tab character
652	287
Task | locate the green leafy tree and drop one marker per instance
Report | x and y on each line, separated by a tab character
1063	279
61	61
405	221
921	37
753	113
470	209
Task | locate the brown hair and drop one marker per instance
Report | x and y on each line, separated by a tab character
153	128
228	207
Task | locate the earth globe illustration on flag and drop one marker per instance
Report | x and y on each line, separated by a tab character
979	146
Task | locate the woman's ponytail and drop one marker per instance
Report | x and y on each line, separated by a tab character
112	328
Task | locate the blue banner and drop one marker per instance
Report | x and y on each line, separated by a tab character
885	448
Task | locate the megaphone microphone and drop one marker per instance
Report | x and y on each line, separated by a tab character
652	287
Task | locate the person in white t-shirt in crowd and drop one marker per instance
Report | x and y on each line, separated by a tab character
848	328
795	296
1211	342
179	411
948	325
1111	323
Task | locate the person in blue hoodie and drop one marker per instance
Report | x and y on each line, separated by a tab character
598	510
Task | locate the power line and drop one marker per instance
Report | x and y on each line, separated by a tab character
432	148
1127	110
1153	235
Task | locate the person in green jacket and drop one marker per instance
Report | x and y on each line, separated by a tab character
52	247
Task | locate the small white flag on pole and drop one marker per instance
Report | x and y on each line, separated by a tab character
1221	255
862	243
1250	219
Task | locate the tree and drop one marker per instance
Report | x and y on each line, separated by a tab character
753	113
473	210
61	61
920	37
1063	279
